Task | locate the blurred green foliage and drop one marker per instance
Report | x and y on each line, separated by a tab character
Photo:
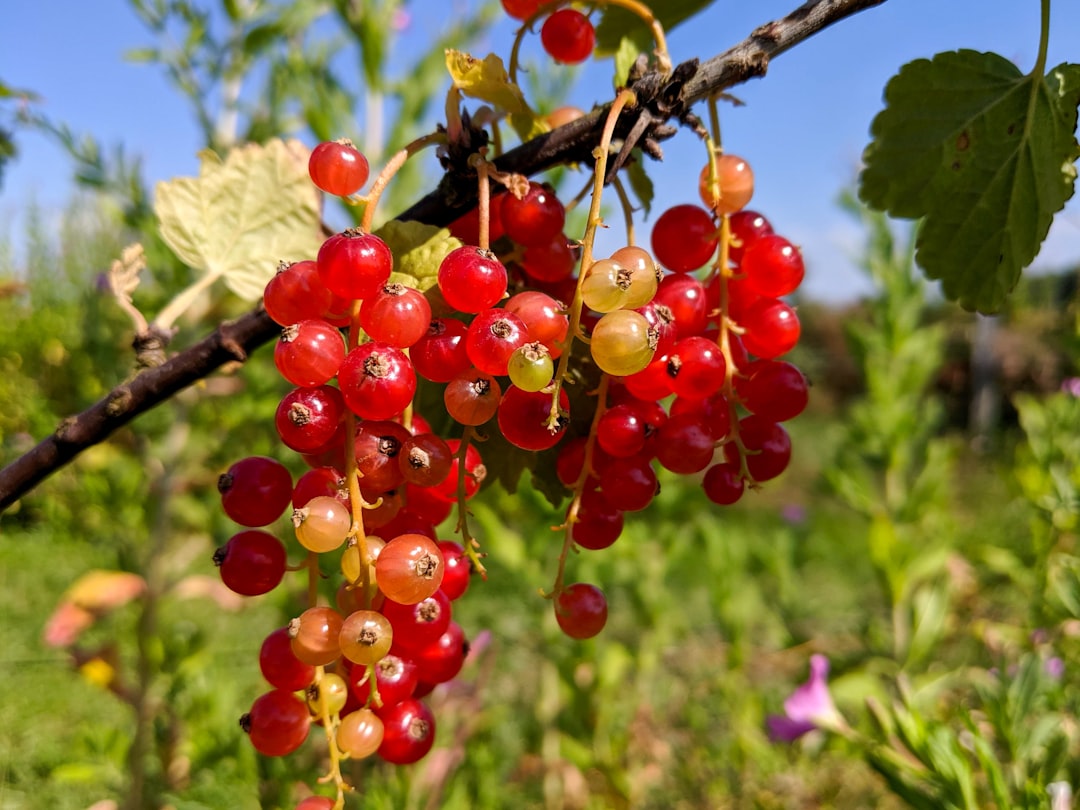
940	580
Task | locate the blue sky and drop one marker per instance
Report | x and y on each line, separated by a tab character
803	127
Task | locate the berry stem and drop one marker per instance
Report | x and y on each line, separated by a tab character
579	489
623	99
454	126
312	566
627	208
483	193
390	169
471	544
356	502
352	474
330	726
722	272
374	698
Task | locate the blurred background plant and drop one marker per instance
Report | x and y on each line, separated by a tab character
930	555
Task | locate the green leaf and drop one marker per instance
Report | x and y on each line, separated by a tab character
625	57
640	182
986	155
142	55
261	37
243	215
418	251
617	24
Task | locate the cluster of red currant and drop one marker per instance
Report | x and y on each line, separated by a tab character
567	35
380	480
399	634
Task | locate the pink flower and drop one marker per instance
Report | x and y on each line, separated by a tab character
809	707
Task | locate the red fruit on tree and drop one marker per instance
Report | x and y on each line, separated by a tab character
581	610
338	167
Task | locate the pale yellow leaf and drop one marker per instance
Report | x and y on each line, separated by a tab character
99	591
242	215
485	79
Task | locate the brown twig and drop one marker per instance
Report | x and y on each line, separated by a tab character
661	98
230	342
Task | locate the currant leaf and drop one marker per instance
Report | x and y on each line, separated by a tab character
618	24
625	57
418	251
986	155
242	215
487	80
640	182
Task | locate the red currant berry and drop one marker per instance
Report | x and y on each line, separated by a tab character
277	724
425	459
697	367
768	444
685	444
440	355
746	228
338	167
409	568
492	337
395	676
550	262
722	484
734	186
686	301
378	446
255	491
280	666
684	238
536	219
568	36
319	481
475	472
397	315
416	626
620	431
521	9
545	318
251	563
772	328
309	353
630	485
472	397
354	264
598	524
409	731
440	660
773	266
377	381
523	418
581	610
774	390
458	569
472	279
296	293
307	418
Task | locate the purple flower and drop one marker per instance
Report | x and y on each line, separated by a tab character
809	707
1054	667
1071	385
793	513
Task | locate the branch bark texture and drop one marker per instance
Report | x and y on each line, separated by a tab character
662	100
